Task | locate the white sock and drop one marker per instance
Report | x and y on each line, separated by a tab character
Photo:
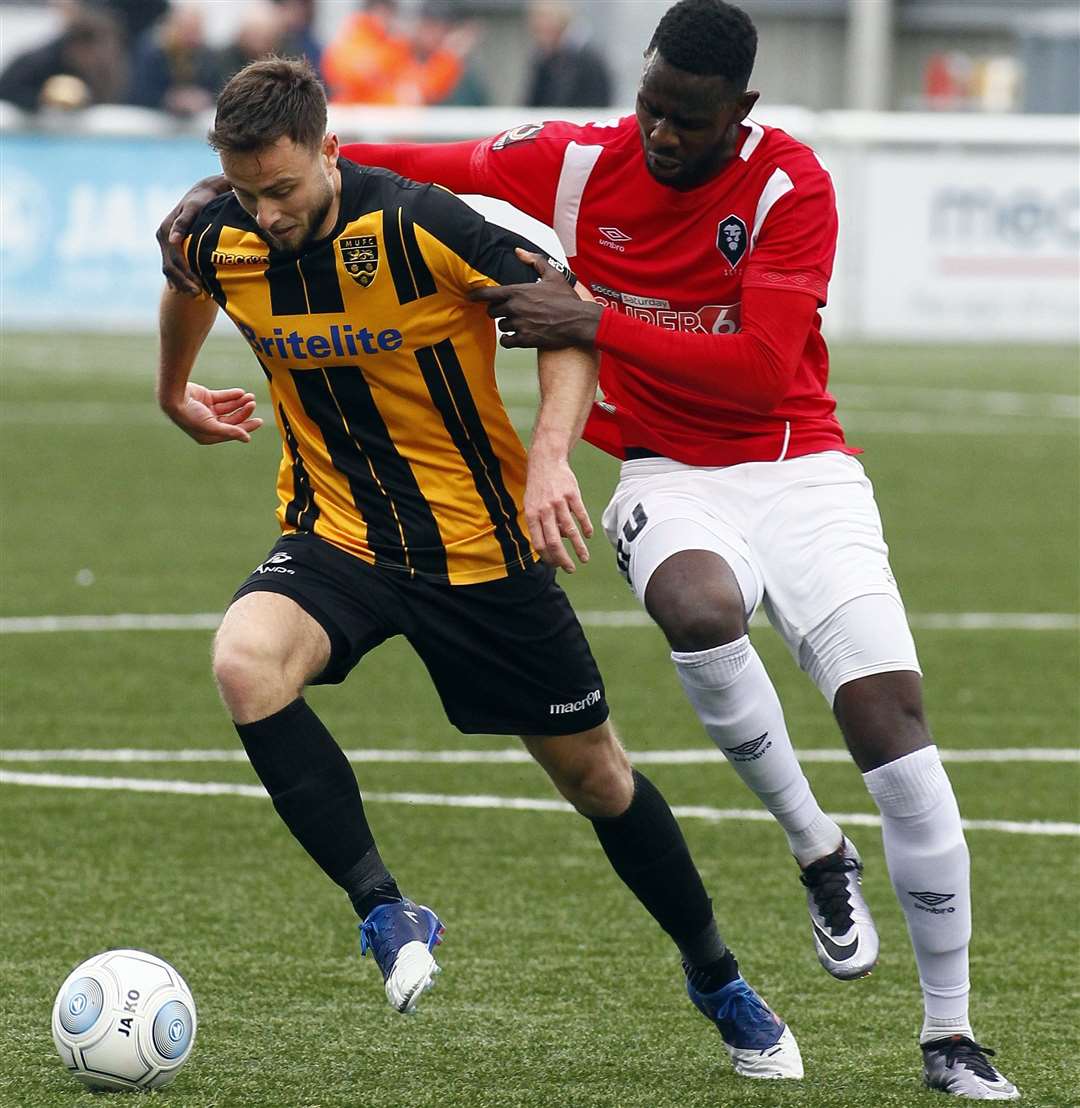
928	863
736	701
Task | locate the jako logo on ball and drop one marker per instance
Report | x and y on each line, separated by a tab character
124	1019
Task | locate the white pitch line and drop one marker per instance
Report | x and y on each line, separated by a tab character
628	617
511	803
122	621
506	756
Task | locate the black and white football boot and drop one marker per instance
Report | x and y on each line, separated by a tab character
961	1067
845	937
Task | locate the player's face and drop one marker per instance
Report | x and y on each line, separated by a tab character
290	191
689	124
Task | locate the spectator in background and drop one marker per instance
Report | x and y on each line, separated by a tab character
373	61
440	28
262	31
133	16
85	64
300	41
173	68
566	71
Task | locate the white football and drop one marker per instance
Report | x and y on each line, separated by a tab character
124	1019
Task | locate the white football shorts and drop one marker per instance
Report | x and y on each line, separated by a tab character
802	536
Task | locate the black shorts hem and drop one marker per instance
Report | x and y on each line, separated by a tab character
548	729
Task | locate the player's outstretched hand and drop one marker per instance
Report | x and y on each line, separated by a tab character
555	511
175	227
546	314
215	415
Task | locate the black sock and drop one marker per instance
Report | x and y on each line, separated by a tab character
314	790
366	895
714	975
647	850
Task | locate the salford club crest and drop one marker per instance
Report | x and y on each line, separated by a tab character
360	256
732	239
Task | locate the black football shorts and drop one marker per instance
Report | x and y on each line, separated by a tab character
508	657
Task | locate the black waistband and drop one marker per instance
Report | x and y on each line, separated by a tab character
632	453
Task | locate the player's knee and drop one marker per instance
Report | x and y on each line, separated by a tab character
250	676
696	599
696	622
882	717
600	783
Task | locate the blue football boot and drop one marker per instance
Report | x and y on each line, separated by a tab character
759	1042
402	936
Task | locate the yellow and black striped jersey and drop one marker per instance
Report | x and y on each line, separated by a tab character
396	444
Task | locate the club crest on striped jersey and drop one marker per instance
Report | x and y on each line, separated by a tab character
360	256
732	239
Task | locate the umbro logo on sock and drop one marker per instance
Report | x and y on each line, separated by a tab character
749	751
928	902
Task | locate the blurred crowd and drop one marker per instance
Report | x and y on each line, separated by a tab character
159	54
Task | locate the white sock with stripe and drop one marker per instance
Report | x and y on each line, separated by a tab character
928	863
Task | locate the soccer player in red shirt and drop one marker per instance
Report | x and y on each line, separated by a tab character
708	241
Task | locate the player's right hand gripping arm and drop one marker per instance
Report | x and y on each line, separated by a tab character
554	509
207	415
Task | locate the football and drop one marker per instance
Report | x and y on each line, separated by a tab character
124	1019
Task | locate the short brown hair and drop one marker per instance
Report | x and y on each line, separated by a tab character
268	100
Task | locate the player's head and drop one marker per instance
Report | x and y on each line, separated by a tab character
270	133
693	93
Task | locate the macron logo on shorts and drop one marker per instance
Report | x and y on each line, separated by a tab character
575	705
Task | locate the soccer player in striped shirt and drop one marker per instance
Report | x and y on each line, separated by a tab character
408	505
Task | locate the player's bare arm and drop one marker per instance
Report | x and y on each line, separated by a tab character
554	509
545	315
208	415
174	229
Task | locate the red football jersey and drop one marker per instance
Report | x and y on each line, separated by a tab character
664	261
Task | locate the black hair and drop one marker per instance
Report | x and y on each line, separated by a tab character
708	37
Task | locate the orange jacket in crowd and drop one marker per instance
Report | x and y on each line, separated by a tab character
367	64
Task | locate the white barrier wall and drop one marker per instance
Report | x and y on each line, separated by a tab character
969	246
953	228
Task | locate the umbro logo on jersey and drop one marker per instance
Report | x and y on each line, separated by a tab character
928	902
749	751
732	239
273	564
613	238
